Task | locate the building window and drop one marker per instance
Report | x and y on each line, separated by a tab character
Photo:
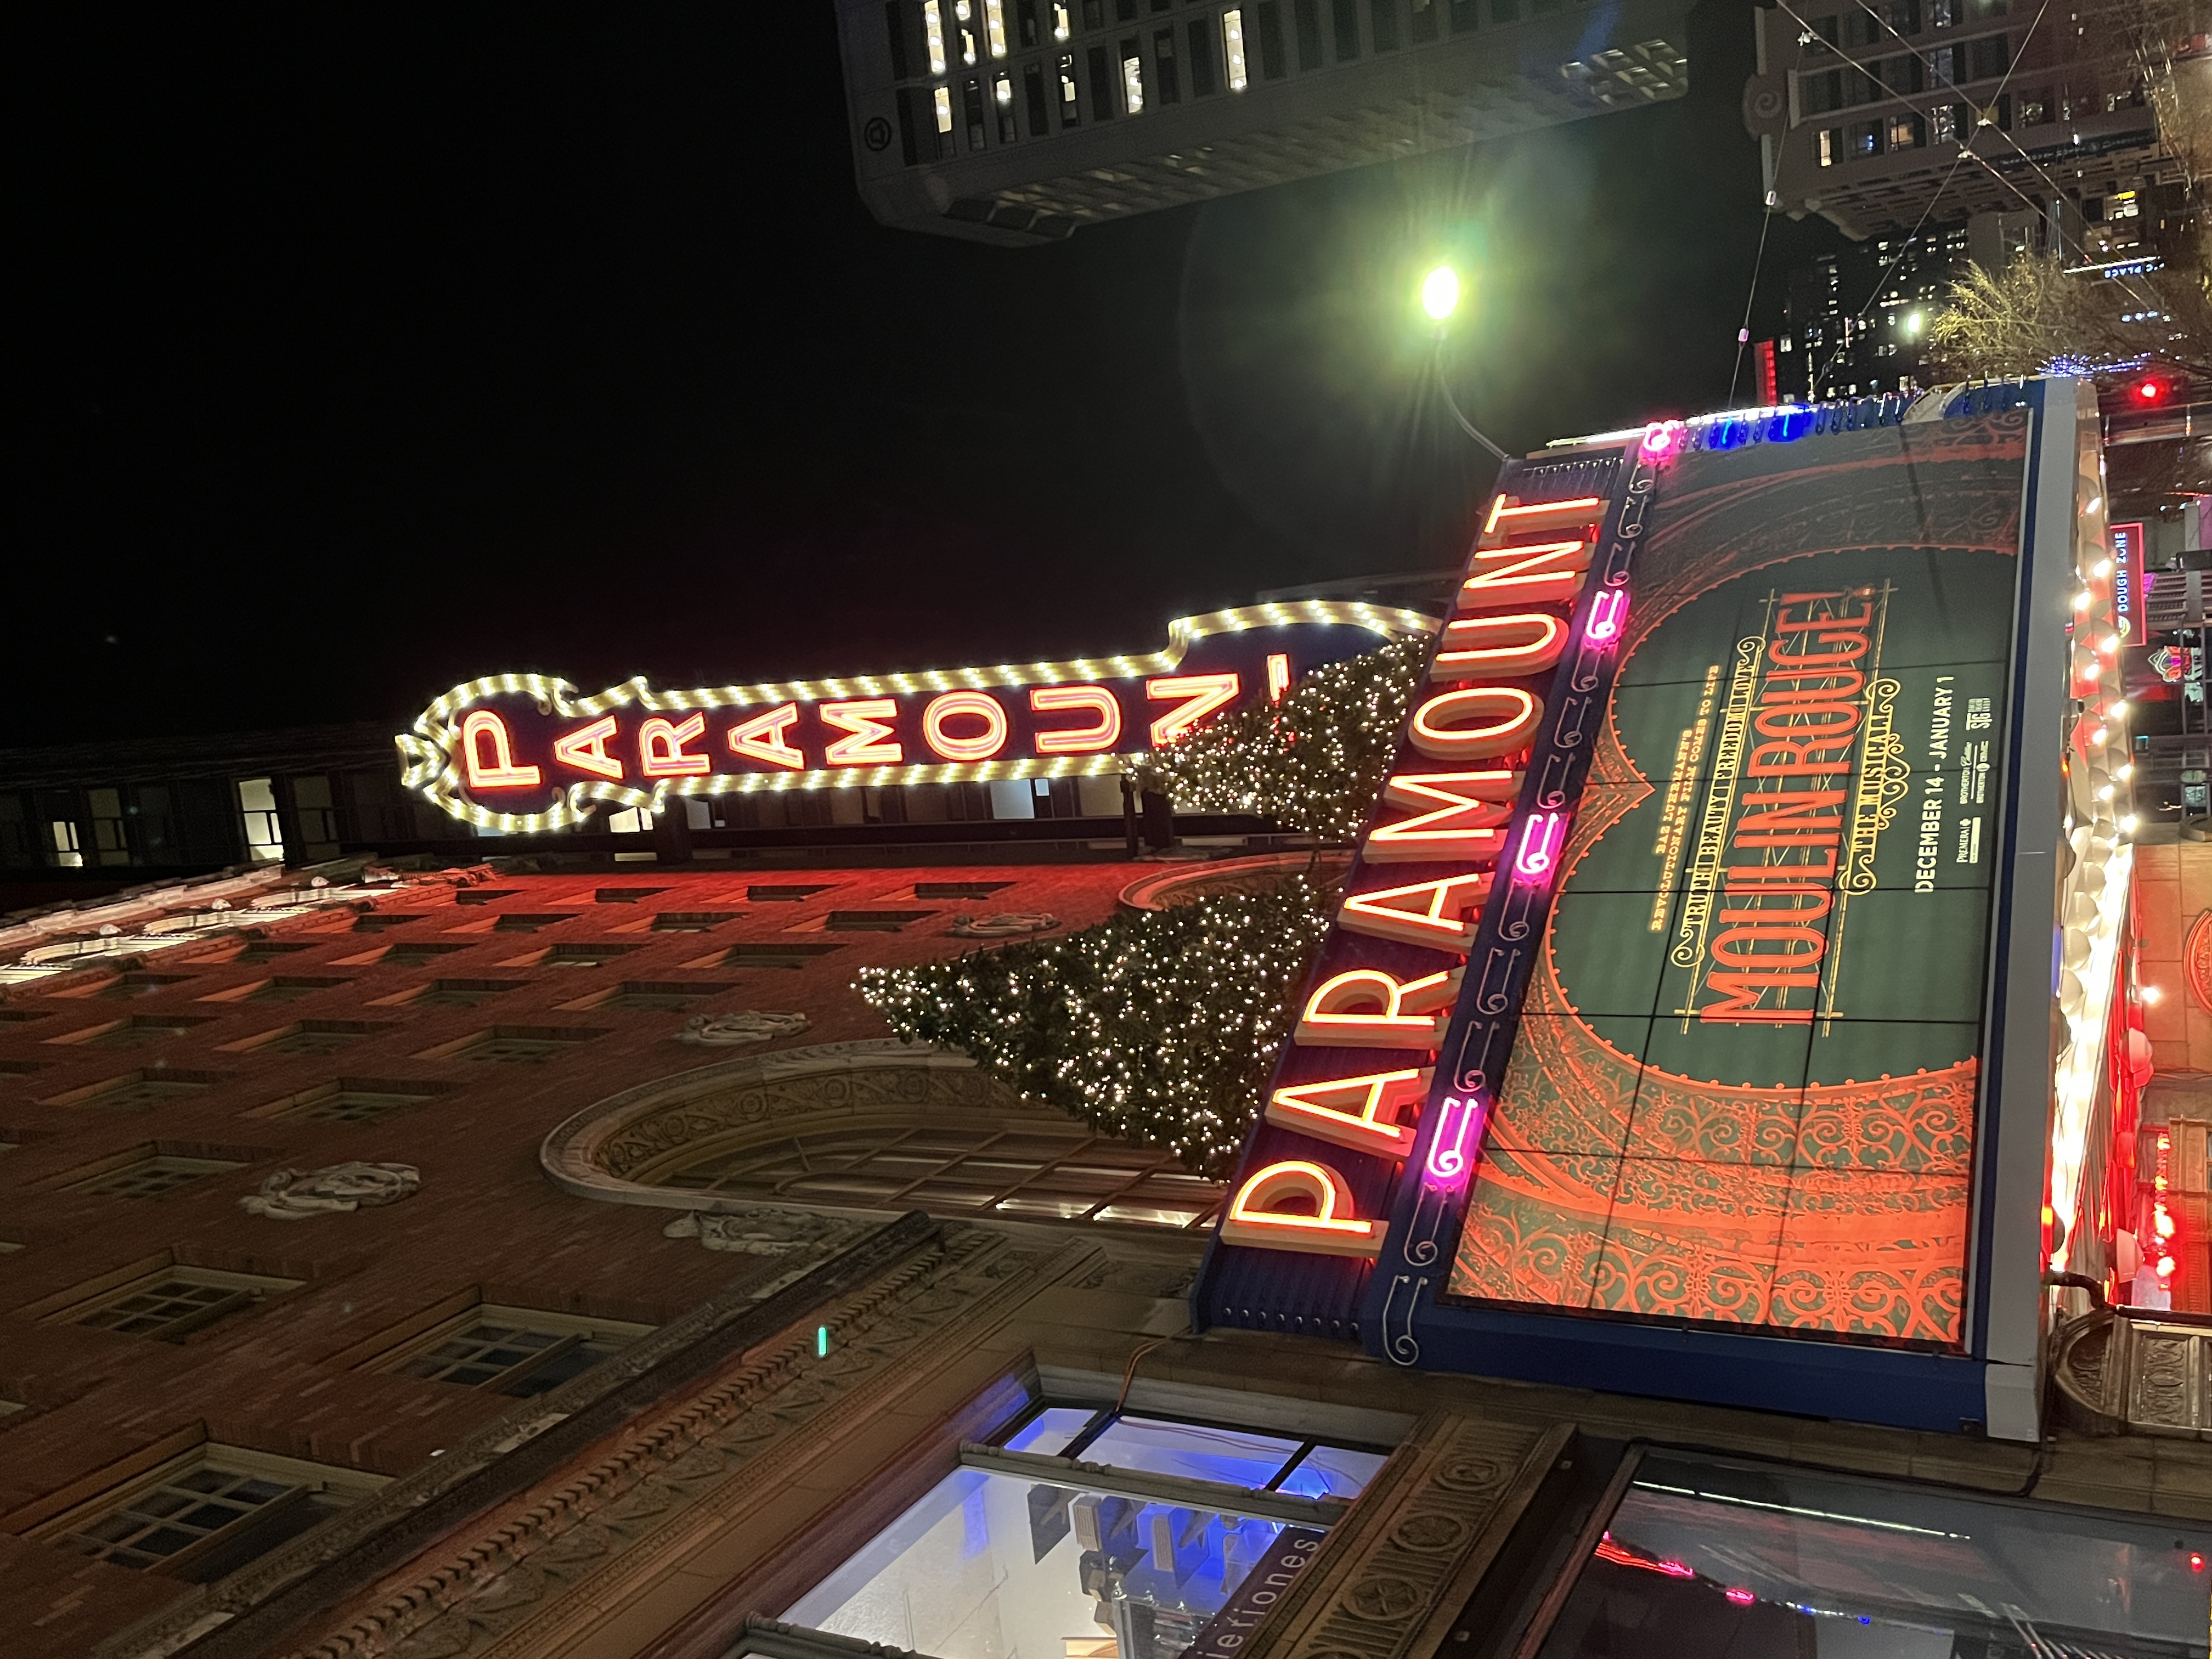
111	844
1272	62
1989	58
1906	132
1042	1171
1345	14
2035	107
1941	13
1307	15
1048	1546
1425	21
1382	20
933	34
257	808
1944	123
1779	1557
1163	65
1830	144
994	27
971	106
203	1517
150	1177
173	1303
1061	27
1040	118
1071	110
1002	96
66	851
1132	77
1232	49
1863	139
1204	82
515	1351
1102	86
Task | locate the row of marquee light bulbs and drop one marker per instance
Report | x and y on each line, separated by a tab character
2094	861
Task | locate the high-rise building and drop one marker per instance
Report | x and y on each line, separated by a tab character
1855	321
1017	121
1879	118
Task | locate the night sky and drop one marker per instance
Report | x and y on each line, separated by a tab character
363	356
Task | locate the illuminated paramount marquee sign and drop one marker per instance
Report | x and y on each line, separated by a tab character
524	752
1654	1036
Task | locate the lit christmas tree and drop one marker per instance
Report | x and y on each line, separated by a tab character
1161	1027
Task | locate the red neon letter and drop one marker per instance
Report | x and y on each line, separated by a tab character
1255	1216
1278	675
1079	739
660	752
1519	575
1357	1112
1476	723
981	747
1437	913
762	739
869	742
1367	1008
1201	695
1521	642
1465	809
500	772
585	749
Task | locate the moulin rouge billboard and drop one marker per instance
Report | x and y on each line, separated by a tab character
1679	1016
525	752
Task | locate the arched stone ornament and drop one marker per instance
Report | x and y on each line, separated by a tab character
2196	961
297	1195
746	1025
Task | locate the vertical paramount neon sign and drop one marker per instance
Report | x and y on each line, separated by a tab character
1477	806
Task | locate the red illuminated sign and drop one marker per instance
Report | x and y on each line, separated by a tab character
524	752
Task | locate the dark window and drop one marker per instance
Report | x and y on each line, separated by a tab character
1905	17
909	144
1307	14
1125	11
1464	16
1071	106
1901	75
971	106
1821	93
1164	67
2004	111
1201	59
1102	86
895	23
1025	23
1978	9
1424	19
1504	11
1094	14
1382	18
1271	39
1987	59
1861	28
1863	139
1033	95
1943	65
1345	15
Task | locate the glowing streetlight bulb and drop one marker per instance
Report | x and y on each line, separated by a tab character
1440	293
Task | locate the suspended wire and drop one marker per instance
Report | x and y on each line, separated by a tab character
1743	333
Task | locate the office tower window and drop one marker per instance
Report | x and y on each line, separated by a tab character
1424	19
967	48
1002	95
1831	146
1102	86
1273	63
1202	79
933	34
1906	132
1905	17
1863	139
2035	106
1382	20
1232	49
1941	13
971	108
1125	11
1165	68
944	154
1132	77
1819	94
110	844
1943	66
1071	106
1463	16
894	25
1061	27
1345	14
1026	22
1033	96
1504	11
994	27
1307	15
1987	59
257	808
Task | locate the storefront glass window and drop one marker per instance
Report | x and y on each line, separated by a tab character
1751	1561
994	1564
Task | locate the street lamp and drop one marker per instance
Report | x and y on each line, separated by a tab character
1439	299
